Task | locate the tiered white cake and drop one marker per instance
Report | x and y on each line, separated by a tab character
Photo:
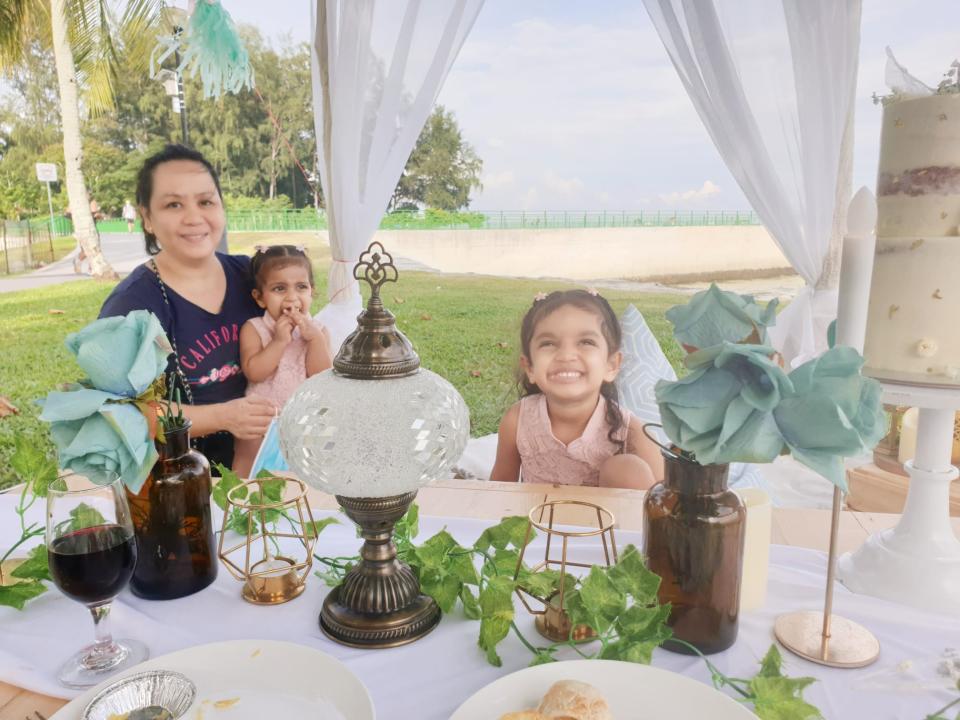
913	325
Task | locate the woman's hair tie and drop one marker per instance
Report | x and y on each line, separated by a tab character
257	249
539	296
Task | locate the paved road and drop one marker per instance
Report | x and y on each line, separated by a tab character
124	251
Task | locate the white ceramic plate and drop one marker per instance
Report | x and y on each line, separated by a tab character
266	678
632	690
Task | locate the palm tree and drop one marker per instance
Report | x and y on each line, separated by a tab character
87	40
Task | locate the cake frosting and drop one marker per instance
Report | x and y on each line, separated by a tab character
914	294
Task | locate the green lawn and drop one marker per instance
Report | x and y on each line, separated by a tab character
62	246
457	324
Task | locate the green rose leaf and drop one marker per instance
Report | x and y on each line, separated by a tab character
16	596
496	614
35	567
509	531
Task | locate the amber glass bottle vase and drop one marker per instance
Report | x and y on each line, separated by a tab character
693	539
176	553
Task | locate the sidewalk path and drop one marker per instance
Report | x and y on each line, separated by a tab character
124	251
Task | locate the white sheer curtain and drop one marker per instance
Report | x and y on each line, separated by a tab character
377	70
773	82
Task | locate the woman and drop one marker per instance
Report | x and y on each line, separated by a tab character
201	297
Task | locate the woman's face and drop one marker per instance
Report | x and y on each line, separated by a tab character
186	212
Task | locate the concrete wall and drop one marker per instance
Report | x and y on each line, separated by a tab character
647	253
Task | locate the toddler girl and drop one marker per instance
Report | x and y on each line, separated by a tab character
568	427
286	346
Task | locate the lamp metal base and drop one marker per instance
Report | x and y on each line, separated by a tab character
399	627
850	645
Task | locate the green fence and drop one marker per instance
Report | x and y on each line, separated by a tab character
309	219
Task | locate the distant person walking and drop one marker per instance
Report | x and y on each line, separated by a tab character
129	213
81	255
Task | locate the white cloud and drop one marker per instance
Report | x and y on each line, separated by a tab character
564	187
495	181
676	198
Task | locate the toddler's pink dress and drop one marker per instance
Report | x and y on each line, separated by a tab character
291	371
544	459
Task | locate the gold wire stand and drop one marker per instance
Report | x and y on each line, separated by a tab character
552	621
272	579
823	637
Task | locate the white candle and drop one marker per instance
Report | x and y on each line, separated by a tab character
856	269
756	548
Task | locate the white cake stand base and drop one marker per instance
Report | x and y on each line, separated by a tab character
917	562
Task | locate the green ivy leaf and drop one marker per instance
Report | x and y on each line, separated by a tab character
602	600
496	614
542	656
35	567
433	554
771	663
313	529
641	622
509	531
630	575
32	465
228	480
407	527
16	596
504	562
471	606
628	650
442	587
779	698
238	521
83	516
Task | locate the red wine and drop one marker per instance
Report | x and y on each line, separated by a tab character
94	564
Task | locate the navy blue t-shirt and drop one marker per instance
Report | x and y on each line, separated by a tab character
208	344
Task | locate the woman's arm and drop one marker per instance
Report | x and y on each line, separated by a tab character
640	445
259	362
245	418
507	466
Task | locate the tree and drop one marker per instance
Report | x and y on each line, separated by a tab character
442	170
87	41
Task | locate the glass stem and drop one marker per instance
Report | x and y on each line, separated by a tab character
103	646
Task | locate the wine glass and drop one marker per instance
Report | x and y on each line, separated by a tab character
92	553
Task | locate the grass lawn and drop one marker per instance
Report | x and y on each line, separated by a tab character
456	322
62	246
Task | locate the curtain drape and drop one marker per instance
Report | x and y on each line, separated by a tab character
378	67
774	82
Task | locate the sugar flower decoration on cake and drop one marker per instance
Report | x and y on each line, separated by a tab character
99	425
714	316
738	405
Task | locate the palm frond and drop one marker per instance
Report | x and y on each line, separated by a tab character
20	22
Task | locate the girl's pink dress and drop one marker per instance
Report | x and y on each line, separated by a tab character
291	371
544	459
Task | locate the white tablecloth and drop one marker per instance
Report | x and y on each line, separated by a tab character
432	677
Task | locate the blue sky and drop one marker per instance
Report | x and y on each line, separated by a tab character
574	105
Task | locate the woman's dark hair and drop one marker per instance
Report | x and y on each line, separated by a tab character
609	327
145	181
274	257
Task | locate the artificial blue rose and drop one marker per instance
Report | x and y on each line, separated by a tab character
715	316
122	355
723	410
832	413
96	435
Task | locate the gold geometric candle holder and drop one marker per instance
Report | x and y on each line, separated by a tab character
269	578
552	620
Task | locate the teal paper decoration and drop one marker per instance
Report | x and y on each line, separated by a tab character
714	316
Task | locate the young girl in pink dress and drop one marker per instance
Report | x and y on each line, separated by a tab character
285	346
568	427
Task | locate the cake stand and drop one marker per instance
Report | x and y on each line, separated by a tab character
917	562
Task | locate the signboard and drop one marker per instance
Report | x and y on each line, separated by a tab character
46	172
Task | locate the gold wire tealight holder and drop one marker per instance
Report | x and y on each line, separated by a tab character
269	578
552	620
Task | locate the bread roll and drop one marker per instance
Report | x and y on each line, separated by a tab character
575	700
524	715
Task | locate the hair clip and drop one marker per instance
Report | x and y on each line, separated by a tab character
300	249
593	291
259	249
539	296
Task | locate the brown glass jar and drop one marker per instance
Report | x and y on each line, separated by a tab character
176	554
693	539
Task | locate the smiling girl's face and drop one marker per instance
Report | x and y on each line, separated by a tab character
186	211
